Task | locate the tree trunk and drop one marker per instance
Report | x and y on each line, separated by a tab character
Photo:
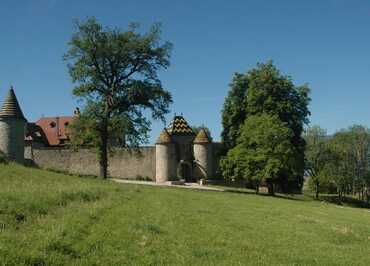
340	195
270	187
103	150
317	184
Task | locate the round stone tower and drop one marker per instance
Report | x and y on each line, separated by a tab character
165	158
203	155
12	129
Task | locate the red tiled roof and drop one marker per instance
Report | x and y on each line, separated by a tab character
56	129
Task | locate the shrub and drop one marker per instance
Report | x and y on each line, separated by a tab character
3	159
142	178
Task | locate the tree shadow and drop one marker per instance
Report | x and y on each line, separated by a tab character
345	201
278	195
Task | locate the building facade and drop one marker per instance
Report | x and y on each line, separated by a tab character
182	155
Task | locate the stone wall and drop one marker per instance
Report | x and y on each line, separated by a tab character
124	163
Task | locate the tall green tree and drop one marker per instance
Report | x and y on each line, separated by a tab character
350	169
360	138
317	155
265	90
116	76
271	92
341	167
234	110
263	152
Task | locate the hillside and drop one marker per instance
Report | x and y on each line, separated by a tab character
53	219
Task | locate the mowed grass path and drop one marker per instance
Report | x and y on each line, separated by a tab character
54	219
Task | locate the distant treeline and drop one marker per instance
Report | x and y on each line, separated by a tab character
339	163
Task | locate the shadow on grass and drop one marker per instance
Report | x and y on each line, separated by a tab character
346	201
295	197
29	163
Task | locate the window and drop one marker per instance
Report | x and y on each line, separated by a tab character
52	124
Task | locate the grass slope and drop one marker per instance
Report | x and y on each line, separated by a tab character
54	219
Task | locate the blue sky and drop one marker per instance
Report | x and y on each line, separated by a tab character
325	43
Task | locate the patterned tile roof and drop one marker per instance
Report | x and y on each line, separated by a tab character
202	137
164	137
11	108
179	126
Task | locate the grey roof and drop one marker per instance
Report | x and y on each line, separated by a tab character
11	108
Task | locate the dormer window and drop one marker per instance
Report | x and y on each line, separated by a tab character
52	124
66	124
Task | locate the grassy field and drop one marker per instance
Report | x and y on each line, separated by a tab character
54	219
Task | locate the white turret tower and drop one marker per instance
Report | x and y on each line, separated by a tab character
12	128
203	155
165	156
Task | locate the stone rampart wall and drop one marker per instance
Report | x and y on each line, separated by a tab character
123	163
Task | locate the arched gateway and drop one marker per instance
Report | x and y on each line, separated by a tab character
184	171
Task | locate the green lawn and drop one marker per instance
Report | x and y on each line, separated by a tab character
54	219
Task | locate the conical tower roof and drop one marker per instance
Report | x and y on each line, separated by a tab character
202	137
164	137
179	126
11	108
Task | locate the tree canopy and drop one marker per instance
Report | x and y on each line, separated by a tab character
234	110
116	77
349	170
264	90
317	156
263	151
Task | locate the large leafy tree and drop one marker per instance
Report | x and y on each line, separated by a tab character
341	168
115	73
263	151
234	110
350	168
360	139
265	90
317	156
